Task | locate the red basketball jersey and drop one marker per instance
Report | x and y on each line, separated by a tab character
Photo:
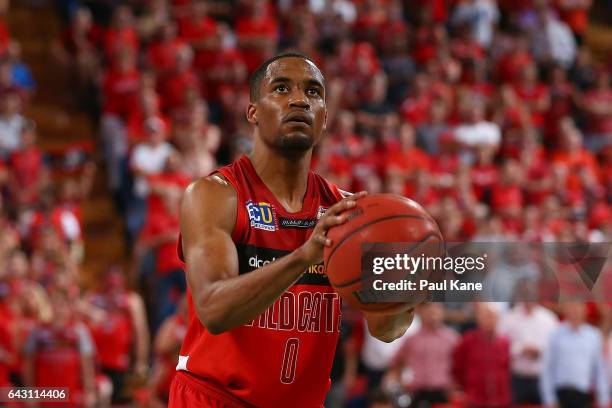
282	358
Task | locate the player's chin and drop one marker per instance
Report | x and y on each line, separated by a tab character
296	142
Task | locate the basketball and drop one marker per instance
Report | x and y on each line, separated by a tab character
377	219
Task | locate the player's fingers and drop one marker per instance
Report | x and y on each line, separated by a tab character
331	221
345	204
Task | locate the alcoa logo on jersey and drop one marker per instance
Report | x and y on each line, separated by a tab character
261	216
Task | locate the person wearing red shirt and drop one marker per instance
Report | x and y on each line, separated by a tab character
511	63
148	107
597	105
177	84
120	85
407	160
257	33
166	347
203	34
484	174
481	362
162	52
160	233
59	353
577	163
28	174
533	94
415	108
507	196
562	93
121	36
119	329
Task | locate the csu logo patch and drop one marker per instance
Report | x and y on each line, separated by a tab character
261	216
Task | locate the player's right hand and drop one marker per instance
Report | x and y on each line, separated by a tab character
312	250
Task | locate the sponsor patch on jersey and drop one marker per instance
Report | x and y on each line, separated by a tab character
261	216
296	222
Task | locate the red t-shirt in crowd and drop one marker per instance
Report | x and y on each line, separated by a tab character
117	40
174	88
265	27
481	365
193	31
530	95
505	197
27	166
599	123
162	55
113	336
161	221
57	356
484	177
120	91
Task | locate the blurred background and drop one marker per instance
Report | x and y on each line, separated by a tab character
495	115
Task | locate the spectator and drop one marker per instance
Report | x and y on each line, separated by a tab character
528	327
29	175
597	105
60	353
119	330
573	363
11	124
481	361
376	355
166	348
475	131
552	41
481	16
428	355
147	159
161	234
20	73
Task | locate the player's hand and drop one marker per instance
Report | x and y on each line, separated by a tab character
312	250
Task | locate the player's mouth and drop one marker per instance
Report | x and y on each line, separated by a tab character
298	118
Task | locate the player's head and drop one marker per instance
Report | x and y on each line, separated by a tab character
287	104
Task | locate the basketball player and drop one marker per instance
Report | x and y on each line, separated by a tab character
263	318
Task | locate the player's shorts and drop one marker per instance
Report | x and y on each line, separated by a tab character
188	391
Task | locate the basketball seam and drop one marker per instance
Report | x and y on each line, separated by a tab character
367	224
414	246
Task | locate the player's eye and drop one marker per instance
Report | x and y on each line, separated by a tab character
281	88
313	91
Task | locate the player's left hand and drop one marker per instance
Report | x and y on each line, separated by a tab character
389	327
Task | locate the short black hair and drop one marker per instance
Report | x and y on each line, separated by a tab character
258	75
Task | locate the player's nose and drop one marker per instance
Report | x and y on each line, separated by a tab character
298	99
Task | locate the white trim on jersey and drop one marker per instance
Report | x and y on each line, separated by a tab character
182	363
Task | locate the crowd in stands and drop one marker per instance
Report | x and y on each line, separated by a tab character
494	115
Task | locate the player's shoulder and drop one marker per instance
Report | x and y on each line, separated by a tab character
214	186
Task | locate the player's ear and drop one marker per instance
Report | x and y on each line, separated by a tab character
251	113
325	121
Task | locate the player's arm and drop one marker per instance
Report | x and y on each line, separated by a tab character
223	299
388	328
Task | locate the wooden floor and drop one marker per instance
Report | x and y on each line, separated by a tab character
61	121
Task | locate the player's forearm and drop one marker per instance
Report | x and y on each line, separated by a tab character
229	303
388	328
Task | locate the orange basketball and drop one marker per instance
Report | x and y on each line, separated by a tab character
377	219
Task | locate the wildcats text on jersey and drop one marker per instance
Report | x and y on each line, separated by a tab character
305	311
261	216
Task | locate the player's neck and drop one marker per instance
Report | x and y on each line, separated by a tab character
286	178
